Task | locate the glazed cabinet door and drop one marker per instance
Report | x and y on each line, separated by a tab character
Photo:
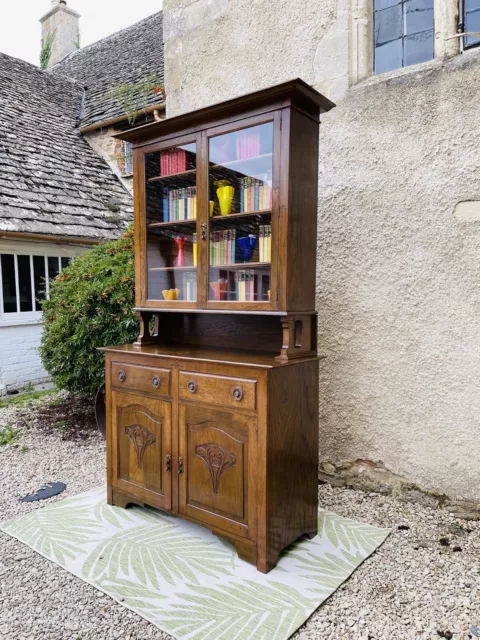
217	451
141	448
170	205
243	180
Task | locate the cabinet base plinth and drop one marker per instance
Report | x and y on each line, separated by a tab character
120	499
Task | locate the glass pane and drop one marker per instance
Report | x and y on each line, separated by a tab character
472	23
171	210
240	204
8	284
389	56
53	268
471	5
385	4
388	24
128	158
25	283
418	48
39	280
418	16
65	262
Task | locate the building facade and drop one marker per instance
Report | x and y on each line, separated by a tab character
398	285
65	182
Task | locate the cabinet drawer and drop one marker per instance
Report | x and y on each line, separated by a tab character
228	392
138	378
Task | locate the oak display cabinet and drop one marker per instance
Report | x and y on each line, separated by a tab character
212	414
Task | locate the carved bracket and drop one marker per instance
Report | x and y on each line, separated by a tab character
141	438
146	335
216	459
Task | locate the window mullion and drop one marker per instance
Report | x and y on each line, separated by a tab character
47	279
17	284
32	285
1	289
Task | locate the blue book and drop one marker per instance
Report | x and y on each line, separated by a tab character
165	209
256	197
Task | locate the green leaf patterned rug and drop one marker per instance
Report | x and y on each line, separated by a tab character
186	581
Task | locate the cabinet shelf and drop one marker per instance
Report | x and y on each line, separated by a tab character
189	172
239	161
242	265
243	214
172	224
191	268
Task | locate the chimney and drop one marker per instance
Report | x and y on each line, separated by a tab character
60	33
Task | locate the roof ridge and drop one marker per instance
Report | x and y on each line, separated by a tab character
81	50
44	72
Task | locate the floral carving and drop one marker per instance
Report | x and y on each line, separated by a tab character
216	459
141	438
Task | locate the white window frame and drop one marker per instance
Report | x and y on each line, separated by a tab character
27	316
127	157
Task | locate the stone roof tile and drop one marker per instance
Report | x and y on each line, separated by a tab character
128	58
51	180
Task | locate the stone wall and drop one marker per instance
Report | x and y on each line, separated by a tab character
108	148
398	290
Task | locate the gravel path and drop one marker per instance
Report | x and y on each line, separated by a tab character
412	587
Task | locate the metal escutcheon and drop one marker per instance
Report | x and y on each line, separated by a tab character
156	382
122	376
237	393
192	386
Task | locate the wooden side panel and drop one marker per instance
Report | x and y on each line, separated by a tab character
302	212
292	456
139	227
217	468
141	448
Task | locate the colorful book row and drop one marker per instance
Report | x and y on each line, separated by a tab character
180	204
265	242
222	247
173	161
255	194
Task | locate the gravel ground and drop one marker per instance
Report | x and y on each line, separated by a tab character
424	582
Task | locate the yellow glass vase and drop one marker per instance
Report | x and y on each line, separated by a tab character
225	193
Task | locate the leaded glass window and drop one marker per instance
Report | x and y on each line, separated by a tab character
472	21
404	33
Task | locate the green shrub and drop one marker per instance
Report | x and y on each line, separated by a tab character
90	306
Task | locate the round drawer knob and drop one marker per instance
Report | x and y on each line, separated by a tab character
237	393
192	386
122	376
156	382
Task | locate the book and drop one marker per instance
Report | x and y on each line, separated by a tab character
173	161
180	204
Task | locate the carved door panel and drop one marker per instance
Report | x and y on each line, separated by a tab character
217	468
141	448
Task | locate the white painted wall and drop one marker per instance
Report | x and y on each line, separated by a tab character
20	333
19	360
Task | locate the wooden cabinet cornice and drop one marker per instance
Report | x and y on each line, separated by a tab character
212	414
